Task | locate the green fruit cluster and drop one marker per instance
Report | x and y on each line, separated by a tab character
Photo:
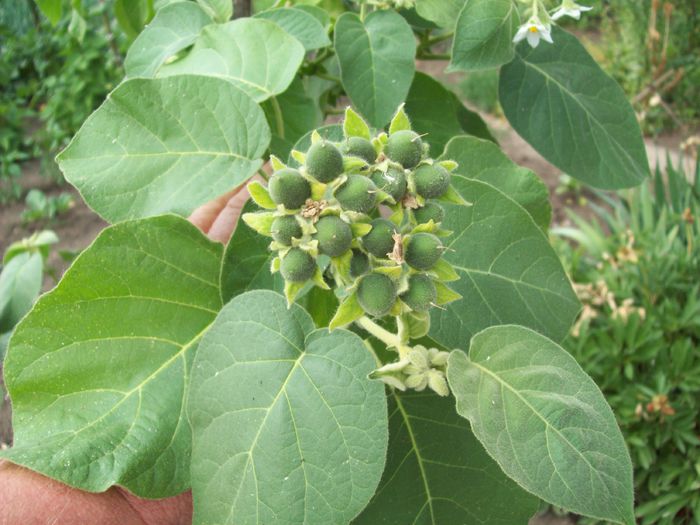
364	216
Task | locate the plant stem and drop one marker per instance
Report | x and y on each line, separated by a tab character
279	120
326	76
385	336
431	56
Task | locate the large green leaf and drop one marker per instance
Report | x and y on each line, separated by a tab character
437	112
484	35
560	101
219	10
376	62
256	55
301	25
545	421
174	28
483	160
51	9
165	145
508	271
443	12
132	15
98	370
287	427
438	473
20	284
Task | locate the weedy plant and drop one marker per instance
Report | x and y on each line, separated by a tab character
413	372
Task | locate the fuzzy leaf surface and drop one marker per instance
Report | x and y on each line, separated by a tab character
376	62
256	55
560	100
508	271
437	472
165	145
443	12
220	10
545	421
98	370
303	26
287	427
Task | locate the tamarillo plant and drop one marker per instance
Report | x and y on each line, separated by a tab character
379	340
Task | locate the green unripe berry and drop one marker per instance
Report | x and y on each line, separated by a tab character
359	147
376	294
324	162
421	293
358	193
423	251
432	181
431	211
405	147
290	188
379	241
359	264
284	228
334	235
393	182
297	266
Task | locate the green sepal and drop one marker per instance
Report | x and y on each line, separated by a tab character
276	163
380	141
397	216
260	222
348	311
392	271
418	324
318	190
383	197
445	294
354	125
299	157
426	227
315	137
449	165
318	280
291	291
397	308
275	265
452	196
360	229
261	196
353	163
444	271
400	121
341	266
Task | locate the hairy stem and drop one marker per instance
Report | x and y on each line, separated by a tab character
279	120
385	336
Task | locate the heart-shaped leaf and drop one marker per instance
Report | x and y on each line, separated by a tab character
98	370
560	101
376	62
175	27
443	12
287	427
165	145
508	271
545	421
303	26
256	55
438	473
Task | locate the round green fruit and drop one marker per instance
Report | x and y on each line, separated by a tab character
421	293
362	148
405	147
289	188
376	294
380	241
334	235
358	193
284	228
297	266
359	264
431	211
432	181
324	162
393	182
423	251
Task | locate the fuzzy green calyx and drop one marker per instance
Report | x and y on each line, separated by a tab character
358	193
421	293
324	162
393	182
297	266
423	251
289	188
431	181
431	211
362	148
359	264
405	147
334	235
376	294
380	239
285	228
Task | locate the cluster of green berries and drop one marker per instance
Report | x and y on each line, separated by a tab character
362	217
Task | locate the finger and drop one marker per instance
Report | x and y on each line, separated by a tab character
225	222
169	511
204	216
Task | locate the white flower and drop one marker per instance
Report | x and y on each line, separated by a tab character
533	30
570	8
